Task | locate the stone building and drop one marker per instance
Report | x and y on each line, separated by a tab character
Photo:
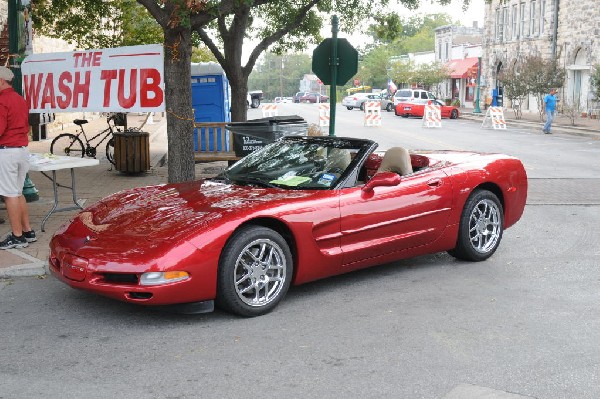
565	30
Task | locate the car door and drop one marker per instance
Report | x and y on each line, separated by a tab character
411	214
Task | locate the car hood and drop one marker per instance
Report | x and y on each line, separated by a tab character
165	211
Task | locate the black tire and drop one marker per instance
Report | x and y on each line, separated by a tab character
362	106
350	108
481	227
389	107
255	103
67	144
454	114
110	150
255	271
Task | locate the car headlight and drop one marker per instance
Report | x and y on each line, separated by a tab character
157	278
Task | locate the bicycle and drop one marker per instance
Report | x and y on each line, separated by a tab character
69	144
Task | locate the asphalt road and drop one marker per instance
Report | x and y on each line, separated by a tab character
525	323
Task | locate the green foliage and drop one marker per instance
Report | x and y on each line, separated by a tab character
202	54
279	75
596	81
515	88
424	75
540	76
373	69
81	23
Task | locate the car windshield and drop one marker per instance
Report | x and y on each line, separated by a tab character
317	163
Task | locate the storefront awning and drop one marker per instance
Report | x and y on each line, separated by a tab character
459	69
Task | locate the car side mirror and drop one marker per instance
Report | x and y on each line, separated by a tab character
381	179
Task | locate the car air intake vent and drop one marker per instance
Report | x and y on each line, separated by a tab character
121	278
140	295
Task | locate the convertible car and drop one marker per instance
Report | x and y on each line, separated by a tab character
407	109
298	210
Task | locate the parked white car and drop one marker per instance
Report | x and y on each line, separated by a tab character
283	100
356	100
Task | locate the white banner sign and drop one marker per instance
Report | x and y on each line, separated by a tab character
124	79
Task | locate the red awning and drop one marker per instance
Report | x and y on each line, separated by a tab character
460	68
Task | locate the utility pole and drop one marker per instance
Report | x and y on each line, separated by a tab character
477	109
14	58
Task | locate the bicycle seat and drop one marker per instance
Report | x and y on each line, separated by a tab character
80	121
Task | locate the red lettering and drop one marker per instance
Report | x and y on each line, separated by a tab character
150	83
96	60
130	101
32	90
80	88
108	76
48	94
77	56
64	101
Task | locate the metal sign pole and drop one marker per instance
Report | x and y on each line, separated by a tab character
333	63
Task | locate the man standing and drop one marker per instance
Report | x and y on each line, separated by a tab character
14	161
550	104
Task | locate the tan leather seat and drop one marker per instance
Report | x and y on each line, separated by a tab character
396	159
338	159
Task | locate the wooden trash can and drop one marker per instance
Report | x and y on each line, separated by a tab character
132	151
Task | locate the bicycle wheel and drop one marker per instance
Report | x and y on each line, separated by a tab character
67	144
110	150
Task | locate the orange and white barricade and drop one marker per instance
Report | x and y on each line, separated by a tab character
494	117
269	110
323	115
372	113
432	115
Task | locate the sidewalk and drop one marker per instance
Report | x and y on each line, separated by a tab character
94	183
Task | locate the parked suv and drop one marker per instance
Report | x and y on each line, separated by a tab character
417	96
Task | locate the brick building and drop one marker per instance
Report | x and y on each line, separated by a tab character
565	30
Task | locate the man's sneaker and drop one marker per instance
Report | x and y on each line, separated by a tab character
30	236
11	241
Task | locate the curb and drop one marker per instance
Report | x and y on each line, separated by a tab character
36	267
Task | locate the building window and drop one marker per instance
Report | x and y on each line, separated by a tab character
533	18
515	22
447	51
440	50
522	15
506	23
498	26
542	15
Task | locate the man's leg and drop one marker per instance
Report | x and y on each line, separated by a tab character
24	214
13	208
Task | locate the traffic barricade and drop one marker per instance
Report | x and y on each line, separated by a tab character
372	115
494	118
432	116
269	110
324	115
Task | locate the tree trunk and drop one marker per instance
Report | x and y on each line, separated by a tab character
178	104
239	94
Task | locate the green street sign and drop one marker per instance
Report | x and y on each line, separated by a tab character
347	61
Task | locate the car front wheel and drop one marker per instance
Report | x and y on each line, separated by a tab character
350	108
454	114
389	107
255	271
481	227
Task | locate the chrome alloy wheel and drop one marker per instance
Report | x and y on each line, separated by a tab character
260	272
484	226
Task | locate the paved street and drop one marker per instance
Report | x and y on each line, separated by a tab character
524	324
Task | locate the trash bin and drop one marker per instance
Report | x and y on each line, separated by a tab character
132	151
254	134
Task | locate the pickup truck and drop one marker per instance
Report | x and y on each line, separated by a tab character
254	98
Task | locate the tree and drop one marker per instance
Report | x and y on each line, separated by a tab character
515	88
374	69
540	76
279	75
596	81
223	26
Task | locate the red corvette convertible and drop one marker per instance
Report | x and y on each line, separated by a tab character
298	210
414	109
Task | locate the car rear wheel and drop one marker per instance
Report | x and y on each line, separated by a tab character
454	114
481	227
255	271
389	107
350	108
362	106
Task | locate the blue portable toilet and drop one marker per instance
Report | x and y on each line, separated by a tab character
210	101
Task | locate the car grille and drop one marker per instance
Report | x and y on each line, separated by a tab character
120	278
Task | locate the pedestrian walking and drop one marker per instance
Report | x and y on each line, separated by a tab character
550	107
14	162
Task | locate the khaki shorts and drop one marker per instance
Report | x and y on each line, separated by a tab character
14	165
